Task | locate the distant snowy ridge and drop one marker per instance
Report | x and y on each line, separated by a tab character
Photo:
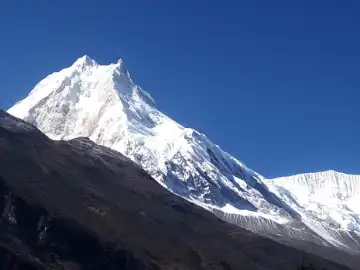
102	102
330	196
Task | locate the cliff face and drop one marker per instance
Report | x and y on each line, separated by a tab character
77	205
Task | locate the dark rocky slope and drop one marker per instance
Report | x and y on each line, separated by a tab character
76	205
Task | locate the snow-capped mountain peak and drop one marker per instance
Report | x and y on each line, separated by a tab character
85	61
103	103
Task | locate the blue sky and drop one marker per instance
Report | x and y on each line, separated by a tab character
275	83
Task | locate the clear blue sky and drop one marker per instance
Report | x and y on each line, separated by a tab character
275	83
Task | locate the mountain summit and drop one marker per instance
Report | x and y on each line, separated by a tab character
103	103
85	61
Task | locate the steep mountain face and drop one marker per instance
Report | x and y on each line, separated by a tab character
103	103
76	205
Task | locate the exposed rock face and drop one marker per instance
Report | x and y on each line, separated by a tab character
77	205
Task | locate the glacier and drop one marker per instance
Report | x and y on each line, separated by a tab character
103	103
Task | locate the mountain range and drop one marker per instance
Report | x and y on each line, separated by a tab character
76	205
314	211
